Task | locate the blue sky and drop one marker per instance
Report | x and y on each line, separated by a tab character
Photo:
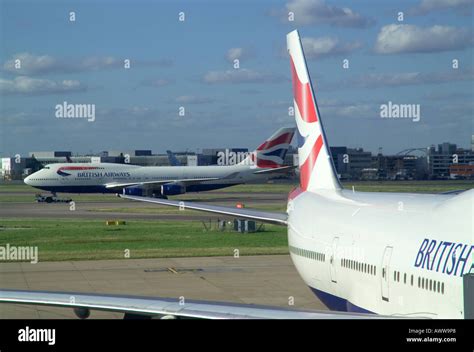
190	64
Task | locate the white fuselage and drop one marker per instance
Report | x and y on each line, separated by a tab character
391	254
63	177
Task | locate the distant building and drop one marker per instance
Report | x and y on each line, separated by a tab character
461	171
349	162
447	154
398	167
441	162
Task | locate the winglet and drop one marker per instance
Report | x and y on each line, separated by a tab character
317	170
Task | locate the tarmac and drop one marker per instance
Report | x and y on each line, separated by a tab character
103	207
266	280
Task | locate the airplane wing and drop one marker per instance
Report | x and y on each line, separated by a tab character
253	214
148	307
455	192
158	182
275	170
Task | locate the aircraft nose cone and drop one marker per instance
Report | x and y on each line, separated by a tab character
27	180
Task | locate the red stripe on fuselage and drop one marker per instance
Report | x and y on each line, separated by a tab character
307	168
295	193
77	168
303	97
284	138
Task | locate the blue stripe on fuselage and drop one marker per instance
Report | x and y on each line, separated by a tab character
337	303
102	189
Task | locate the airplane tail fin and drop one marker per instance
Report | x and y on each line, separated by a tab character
271	153
317	170
173	160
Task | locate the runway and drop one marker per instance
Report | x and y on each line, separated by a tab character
105	207
268	280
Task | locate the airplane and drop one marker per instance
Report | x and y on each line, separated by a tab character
162	181
364	254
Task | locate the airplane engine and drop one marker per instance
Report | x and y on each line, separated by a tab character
135	191
173	189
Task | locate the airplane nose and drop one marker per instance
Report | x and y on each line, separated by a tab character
27	180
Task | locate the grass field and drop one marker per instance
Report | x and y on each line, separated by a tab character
86	240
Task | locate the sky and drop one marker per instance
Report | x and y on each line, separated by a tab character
188	63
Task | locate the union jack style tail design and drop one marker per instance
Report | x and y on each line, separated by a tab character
271	153
316	166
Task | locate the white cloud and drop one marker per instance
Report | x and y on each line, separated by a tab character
240	76
33	86
238	53
407	78
341	109
327	46
31	64
98	63
427	6
404	38
316	12
159	82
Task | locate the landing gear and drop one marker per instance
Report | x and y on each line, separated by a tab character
51	199
159	195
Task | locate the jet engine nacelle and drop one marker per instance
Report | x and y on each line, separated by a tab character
173	189
134	191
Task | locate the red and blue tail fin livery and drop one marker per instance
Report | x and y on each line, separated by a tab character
271	153
316	166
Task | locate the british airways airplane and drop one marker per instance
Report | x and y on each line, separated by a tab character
162	181
365	255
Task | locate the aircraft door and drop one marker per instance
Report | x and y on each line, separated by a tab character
386	274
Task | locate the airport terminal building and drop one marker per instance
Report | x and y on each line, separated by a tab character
446	161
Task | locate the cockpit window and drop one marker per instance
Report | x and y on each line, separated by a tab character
46	167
